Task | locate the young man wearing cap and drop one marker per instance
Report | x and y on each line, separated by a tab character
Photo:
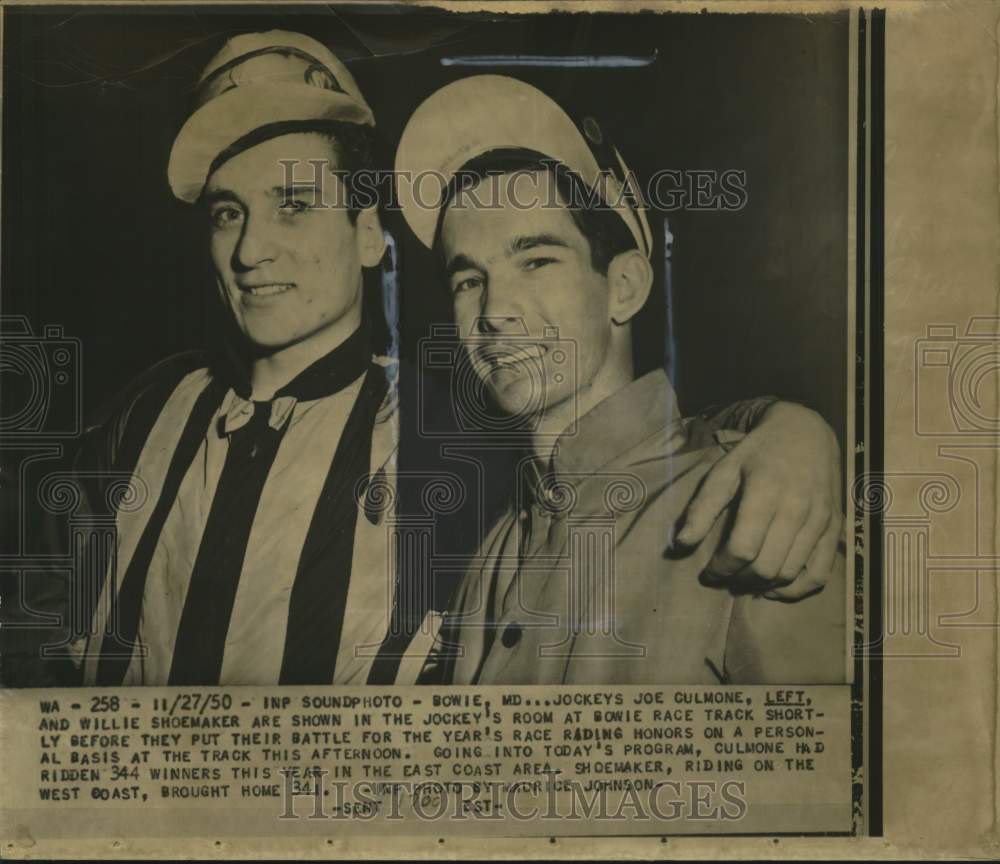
254	550
572	584
236	568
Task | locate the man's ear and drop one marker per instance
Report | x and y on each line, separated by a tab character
630	278
369	237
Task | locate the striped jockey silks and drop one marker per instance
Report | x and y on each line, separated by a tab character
251	561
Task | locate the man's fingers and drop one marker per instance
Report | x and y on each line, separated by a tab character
718	488
819	565
801	587
756	510
810	563
804	543
781	535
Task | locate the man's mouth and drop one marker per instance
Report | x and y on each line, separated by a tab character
268	289
505	356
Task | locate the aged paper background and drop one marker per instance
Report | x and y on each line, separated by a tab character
942	266
941	765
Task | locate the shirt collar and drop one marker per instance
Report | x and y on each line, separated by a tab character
330	374
238	412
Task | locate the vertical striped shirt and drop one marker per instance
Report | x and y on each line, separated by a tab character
231	571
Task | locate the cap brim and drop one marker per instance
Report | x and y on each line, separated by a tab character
473	116
470	117
223	121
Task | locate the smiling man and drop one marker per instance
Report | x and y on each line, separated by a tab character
252	461
572	584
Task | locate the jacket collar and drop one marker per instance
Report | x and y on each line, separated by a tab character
611	428
644	408
329	374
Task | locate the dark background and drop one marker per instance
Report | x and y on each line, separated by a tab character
93	240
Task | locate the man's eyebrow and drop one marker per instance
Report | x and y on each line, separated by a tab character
215	195
531	241
459	263
292	189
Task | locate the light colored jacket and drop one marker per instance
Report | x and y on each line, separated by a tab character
575	585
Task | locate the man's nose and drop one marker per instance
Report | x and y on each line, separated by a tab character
256	245
499	312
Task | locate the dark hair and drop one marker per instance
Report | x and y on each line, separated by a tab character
353	144
605	231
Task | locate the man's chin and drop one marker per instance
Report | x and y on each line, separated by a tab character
519	399
264	340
